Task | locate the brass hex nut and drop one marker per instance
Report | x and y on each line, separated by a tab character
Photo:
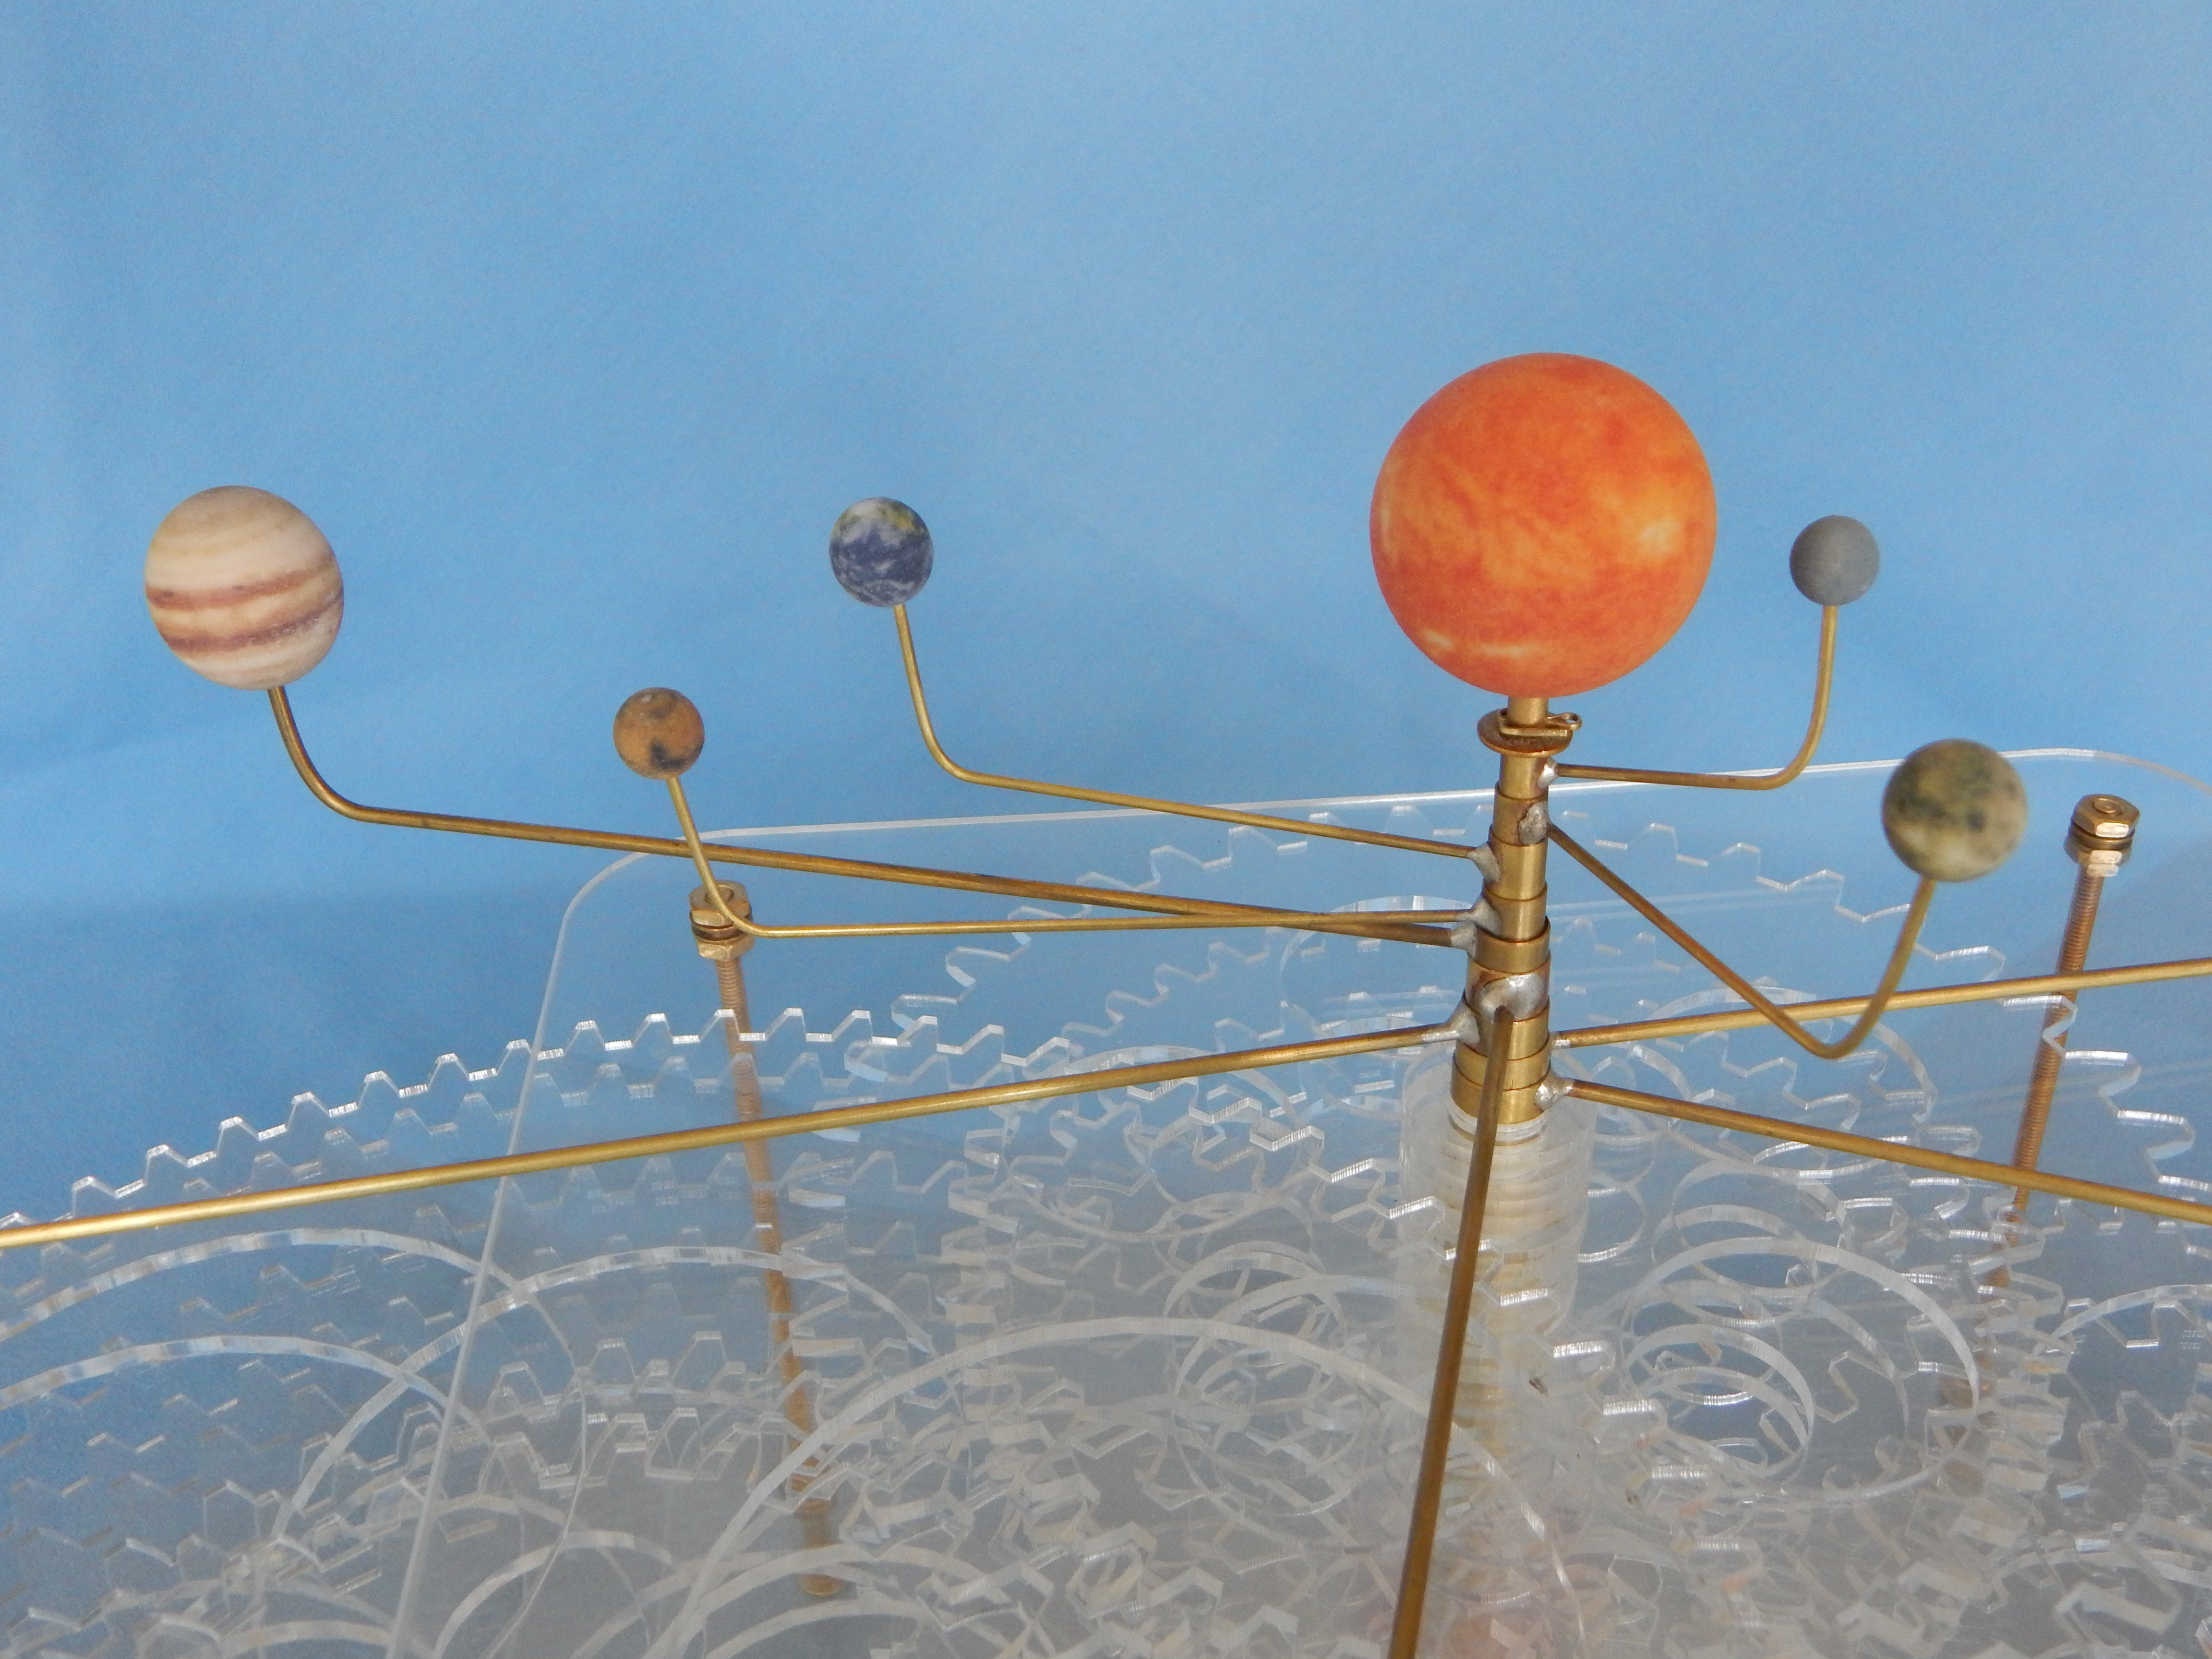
2102	833
718	941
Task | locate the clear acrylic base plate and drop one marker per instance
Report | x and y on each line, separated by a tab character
1143	1371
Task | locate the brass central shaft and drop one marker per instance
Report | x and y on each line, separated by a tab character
1513	933
1507	1241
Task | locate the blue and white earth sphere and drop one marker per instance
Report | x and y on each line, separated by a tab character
880	550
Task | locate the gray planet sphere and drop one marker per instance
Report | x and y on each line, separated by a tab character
1834	560
881	551
1954	811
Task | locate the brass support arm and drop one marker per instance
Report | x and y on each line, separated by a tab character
851	1117
1213	913
1141	802
231	1205
742	922
1908	935
1821	677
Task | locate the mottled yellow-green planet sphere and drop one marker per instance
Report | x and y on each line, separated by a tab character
1954	811
243	587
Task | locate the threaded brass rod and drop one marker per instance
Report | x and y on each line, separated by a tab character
2043	1079
818	1525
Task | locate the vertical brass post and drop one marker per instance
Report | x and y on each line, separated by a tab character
2098	840
724	945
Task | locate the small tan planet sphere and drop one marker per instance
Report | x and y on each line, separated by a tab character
243	587
658	733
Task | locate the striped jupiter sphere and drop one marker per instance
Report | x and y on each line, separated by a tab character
243	587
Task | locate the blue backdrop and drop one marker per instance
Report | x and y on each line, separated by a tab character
574	327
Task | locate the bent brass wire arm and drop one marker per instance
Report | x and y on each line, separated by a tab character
1823	675
1908	935
1141	802
1202	913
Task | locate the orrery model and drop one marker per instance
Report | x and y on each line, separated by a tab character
1539	528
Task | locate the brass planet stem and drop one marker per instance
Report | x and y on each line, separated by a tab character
1900	957
816	1521
1312	920
1823	676
1218	913
1141	802
1451	1350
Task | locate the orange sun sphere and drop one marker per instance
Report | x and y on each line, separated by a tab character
1542	525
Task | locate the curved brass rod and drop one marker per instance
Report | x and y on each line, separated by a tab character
1141	802
1313	920
1049	892
1935	996
720	1135
1888	1152
1907	936
1822	675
